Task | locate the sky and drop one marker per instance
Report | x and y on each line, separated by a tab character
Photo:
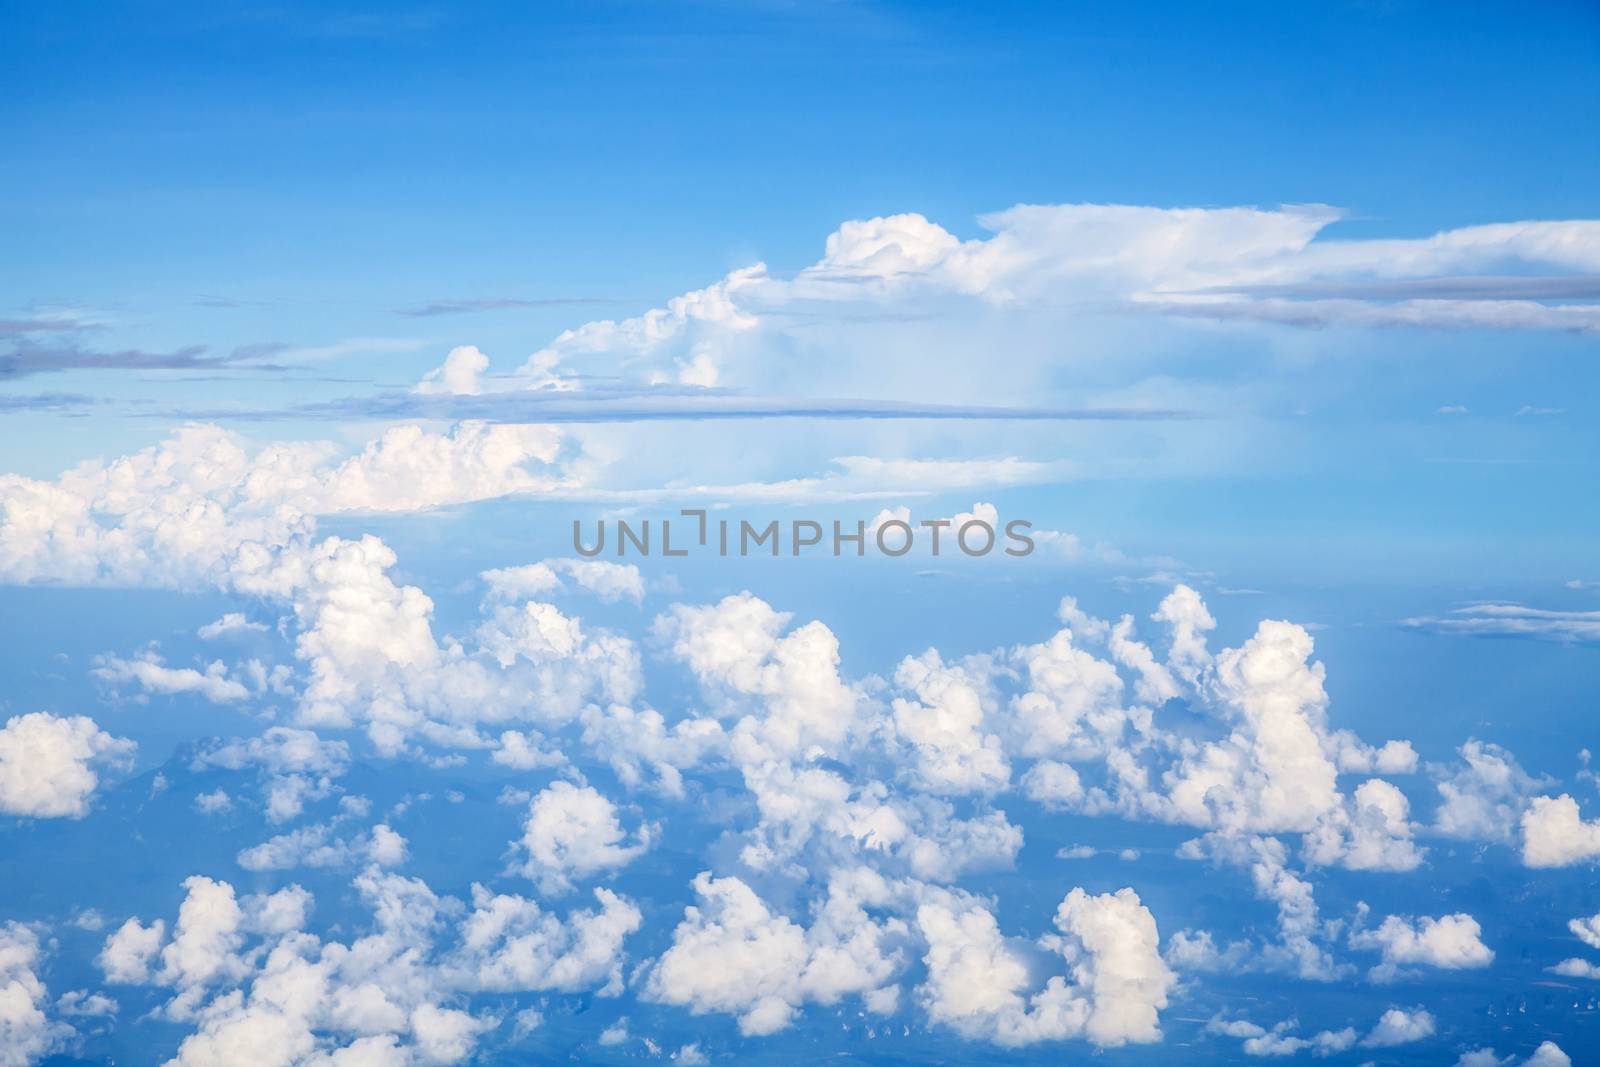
331	336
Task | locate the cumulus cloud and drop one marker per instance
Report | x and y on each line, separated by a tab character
1485	797
27	1033
1548	1054
1226	264
979	984
47	763
1281	1039
1555	834
254	986
1449	942
1397	1026
608	581
733	954
190	511
573	833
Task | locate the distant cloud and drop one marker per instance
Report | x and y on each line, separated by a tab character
1483	287
1452	409
493	303
48	322
1498	619
27	357
44	402
661	403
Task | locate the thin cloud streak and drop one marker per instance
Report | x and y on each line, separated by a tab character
553	407
466	307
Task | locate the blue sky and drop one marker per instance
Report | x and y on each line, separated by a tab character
321	325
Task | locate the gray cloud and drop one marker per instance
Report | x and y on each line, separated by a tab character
44	402
27	358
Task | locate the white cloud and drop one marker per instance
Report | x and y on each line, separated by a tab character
608	581
733	954
1548	1054
459	374
128	952
573	833
1485	798
47	763
193	510
1449	942
1554	833
234	622
944	728
1281	1040
260	990
27	1033
1398	1026
1586	930
978	984
152	676
1371	831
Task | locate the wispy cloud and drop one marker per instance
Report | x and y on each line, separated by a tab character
1473	287
44	402
647	405
494	303
1505	619
27	357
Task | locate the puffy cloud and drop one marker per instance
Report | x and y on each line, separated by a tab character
308	846
234	622
1281	1040
977	983
733	954
1554	833
1586	930
1394	1027
1484	798
509	943
1398	1026
1073	703
1449	942
944	727
47	763
205	943
608	581
1229	264
129	951
458	374
193	510
1548	1054
1052	784
786	687
386	847
1372	831
572	833
27	1033
386	999
1356	757
1273	772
